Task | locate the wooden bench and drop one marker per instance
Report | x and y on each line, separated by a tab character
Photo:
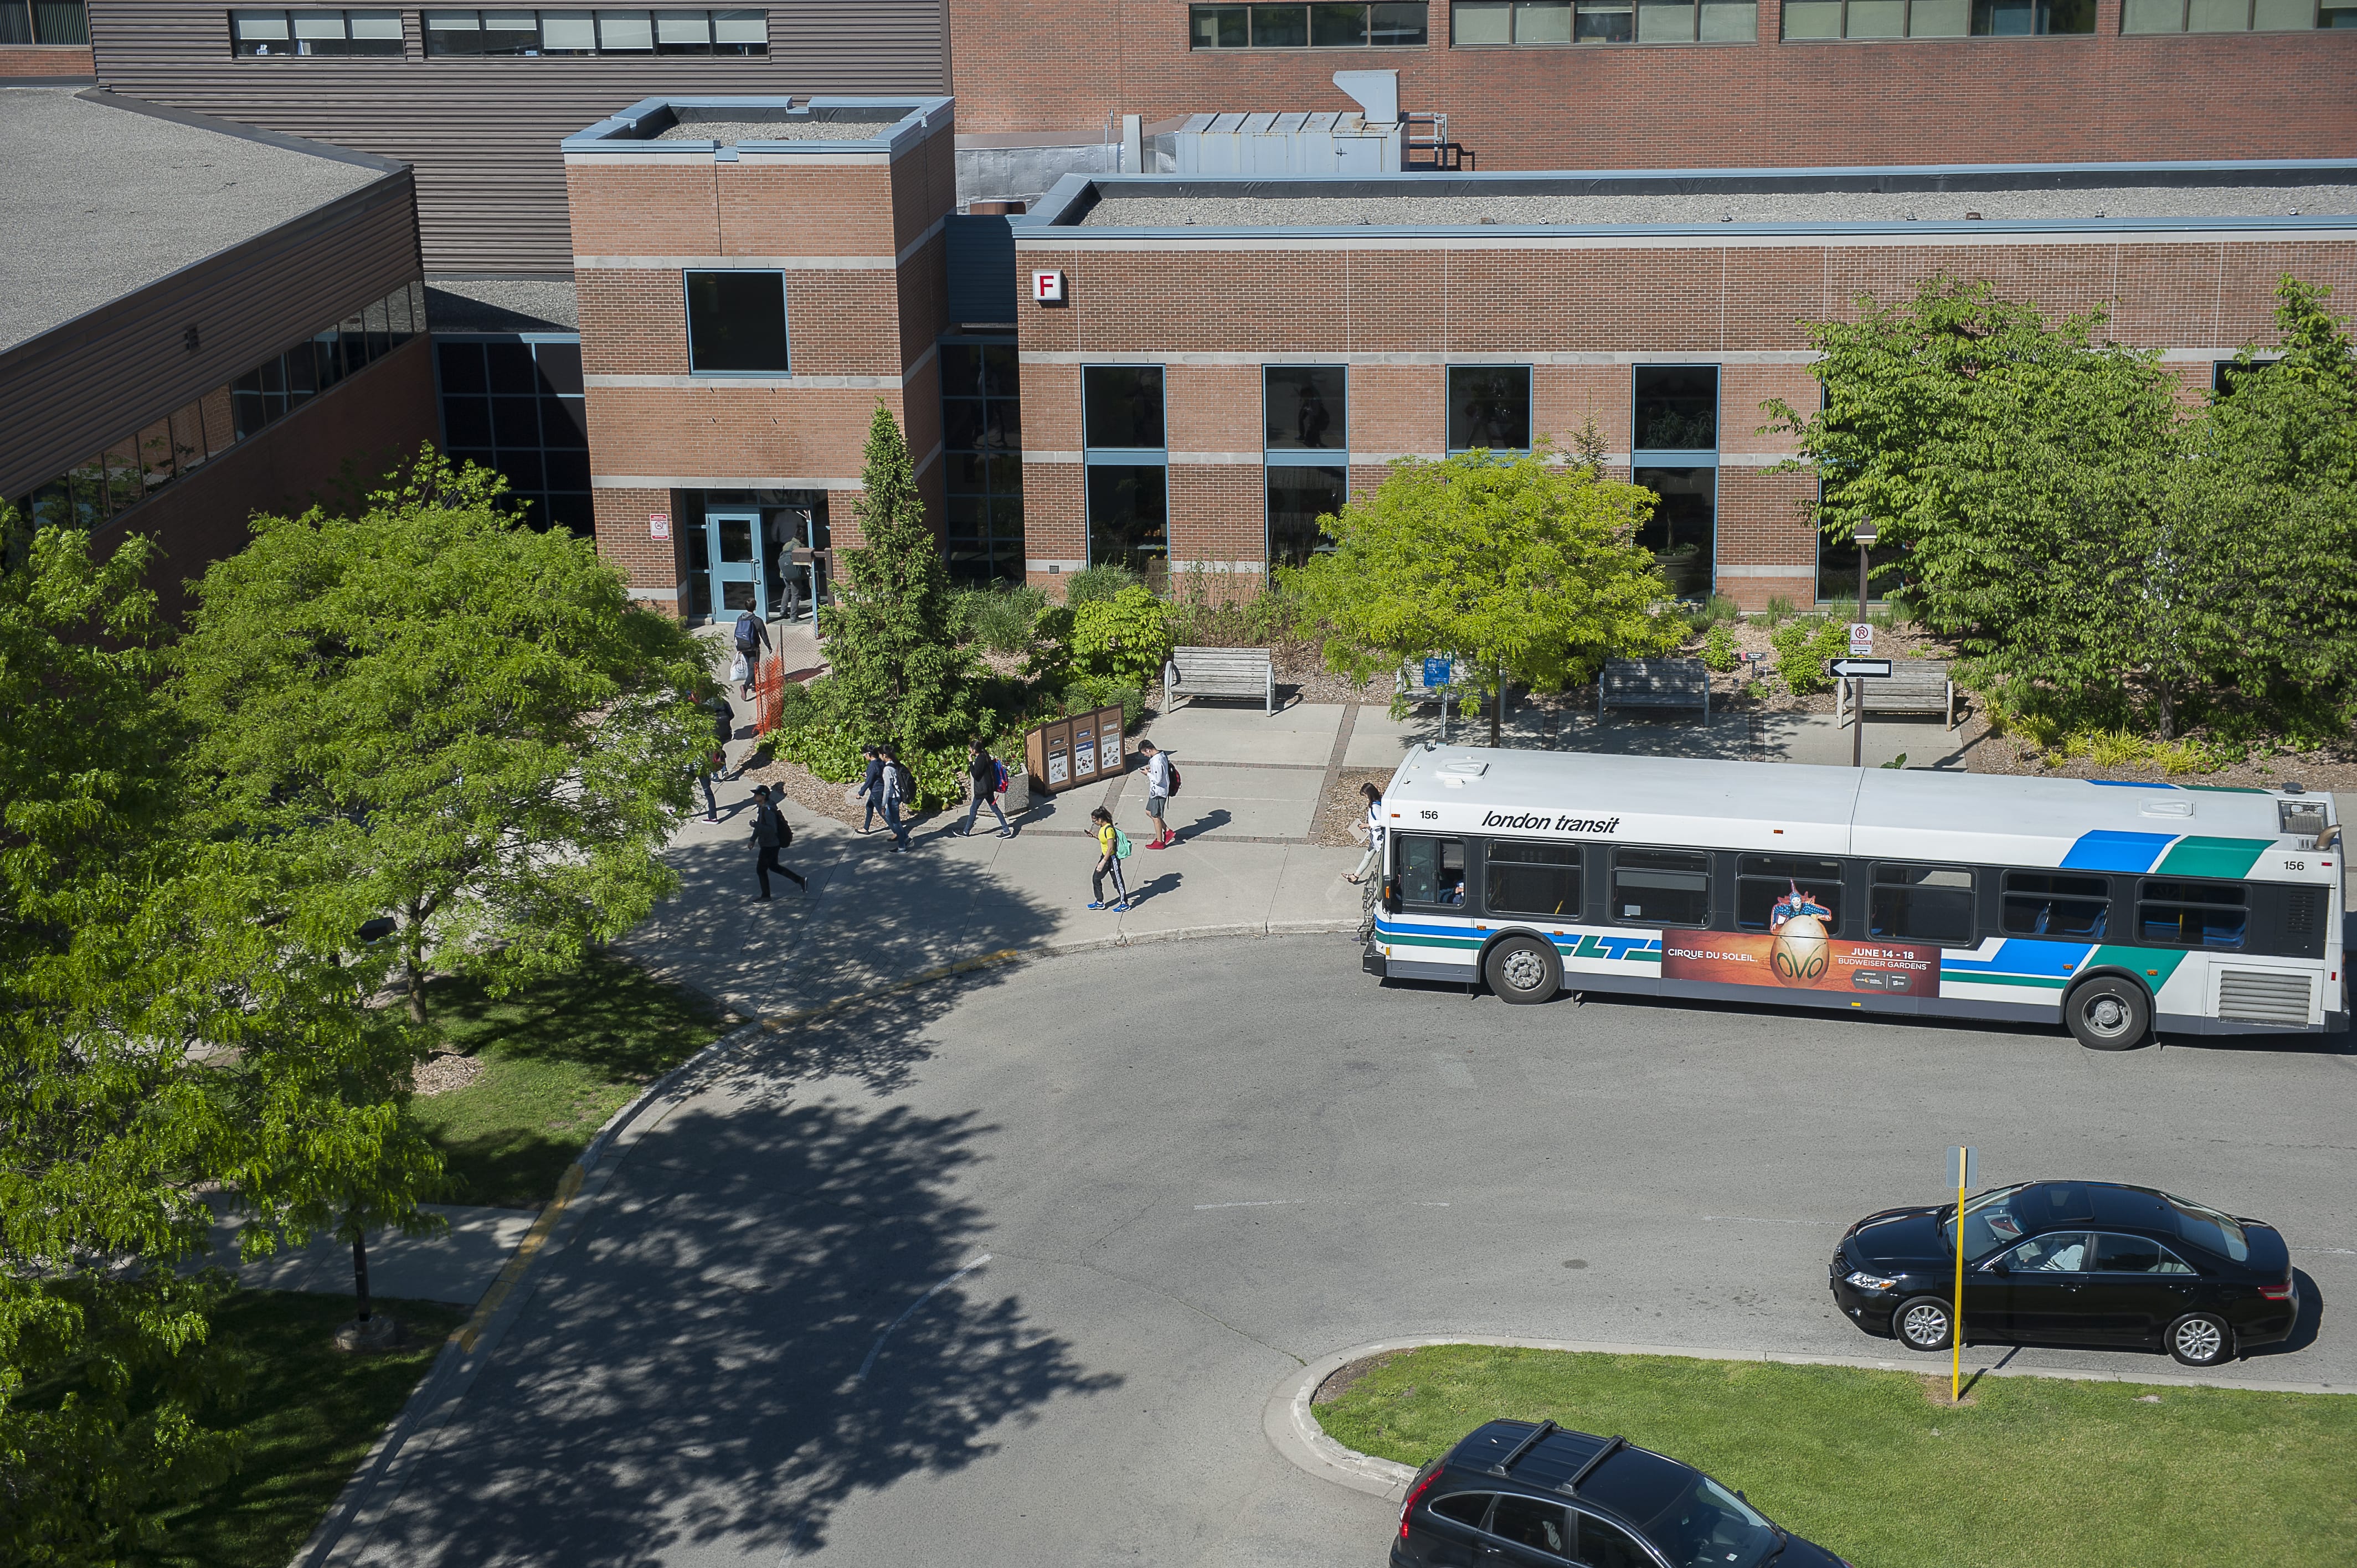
1653	684
1913	686
1192	672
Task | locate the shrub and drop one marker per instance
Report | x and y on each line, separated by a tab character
1089	691
1779	610
1719	648
1092	584
1126	637
999	617
1801	650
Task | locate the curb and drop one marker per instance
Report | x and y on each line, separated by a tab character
352	1520
1294	1431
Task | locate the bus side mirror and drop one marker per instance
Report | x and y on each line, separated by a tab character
1392	900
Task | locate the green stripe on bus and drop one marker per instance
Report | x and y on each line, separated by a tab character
2225	789
2154	965
1953	977
2212	857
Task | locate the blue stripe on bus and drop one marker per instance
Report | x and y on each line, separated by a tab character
2108	851
2051	959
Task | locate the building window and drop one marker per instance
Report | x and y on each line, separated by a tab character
1937	18
100	487
337	33
982	439
1128	468
1481	24
516	404
2233	15
1674	414
1304	418
565	33
65	22
1677	408
736	323
2226	375
1380	26
1490	407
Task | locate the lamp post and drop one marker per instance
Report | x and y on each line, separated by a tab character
1864	534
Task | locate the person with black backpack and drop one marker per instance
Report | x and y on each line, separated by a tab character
770	834
986	778
1161	783
752	641
899	789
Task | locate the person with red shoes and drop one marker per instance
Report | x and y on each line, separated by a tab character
1161	783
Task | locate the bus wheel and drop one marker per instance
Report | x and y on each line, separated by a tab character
1523	970
2108	1014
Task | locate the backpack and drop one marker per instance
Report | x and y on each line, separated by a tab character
1120	845
1172	769
1000	786
749	636
906	781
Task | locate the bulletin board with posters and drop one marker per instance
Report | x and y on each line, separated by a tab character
1081	748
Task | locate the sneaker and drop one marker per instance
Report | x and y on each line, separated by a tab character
1096	906
1121	908
1007	833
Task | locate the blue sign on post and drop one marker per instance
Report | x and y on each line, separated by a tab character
1436	671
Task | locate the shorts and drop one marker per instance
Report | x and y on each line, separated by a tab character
1155	804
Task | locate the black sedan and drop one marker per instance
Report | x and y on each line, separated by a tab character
2072	1262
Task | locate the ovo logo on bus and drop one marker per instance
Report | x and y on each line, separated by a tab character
1529	823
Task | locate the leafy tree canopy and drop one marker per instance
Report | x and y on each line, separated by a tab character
432	711
1524	569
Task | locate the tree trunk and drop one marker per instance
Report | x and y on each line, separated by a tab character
359	1273
1497	706
416	989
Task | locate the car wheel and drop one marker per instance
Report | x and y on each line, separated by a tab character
2200	1339
1923	1323
2108	1014
1523	970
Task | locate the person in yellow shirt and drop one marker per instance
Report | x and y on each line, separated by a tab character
1110	847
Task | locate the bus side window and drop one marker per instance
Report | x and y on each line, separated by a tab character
1922	903
1540	880
2054	904
2193	914
1660	887
1431	871
1766	884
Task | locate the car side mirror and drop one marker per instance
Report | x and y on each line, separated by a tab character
1392	900
2000	1266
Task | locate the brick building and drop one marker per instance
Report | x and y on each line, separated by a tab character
1231	357
199	321
754	276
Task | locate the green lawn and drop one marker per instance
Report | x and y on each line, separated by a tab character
558	1058
2031	1471
310	1412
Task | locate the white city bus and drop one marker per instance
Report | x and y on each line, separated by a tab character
2111	908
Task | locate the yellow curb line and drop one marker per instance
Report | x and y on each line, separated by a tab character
519	1261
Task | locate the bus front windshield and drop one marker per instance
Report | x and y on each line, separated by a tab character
1989	1222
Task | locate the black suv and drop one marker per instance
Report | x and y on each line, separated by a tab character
1515	1493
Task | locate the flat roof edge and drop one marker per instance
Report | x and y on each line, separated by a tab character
925	114
1051	234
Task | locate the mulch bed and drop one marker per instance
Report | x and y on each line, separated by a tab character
1342	805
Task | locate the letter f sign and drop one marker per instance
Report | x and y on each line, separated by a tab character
1048	288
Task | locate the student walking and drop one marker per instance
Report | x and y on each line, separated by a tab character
986	778
752	641
1113	848
898	787
1161	783
871	787
724	730
770	834
1374	826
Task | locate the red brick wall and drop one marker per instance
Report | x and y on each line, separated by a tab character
1038	66
32	59
329	452
873	325
1742	308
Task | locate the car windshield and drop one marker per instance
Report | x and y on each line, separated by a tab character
2209	1229
1697	1522
1989	1222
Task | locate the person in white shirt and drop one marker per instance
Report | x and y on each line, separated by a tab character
1374	856
1157	792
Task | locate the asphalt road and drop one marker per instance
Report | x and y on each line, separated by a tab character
1194	1167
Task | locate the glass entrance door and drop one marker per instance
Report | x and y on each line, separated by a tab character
738	583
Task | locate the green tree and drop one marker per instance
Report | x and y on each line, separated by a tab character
895	670
168	1023
434	712
1125	638
1524	570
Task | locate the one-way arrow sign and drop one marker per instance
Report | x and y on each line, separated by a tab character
1845	669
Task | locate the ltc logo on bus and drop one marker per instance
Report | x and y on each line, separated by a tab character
1539	822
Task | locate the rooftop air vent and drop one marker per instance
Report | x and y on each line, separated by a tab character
2166	805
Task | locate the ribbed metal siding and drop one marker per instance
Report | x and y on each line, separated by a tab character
2266	996
102	376
482	134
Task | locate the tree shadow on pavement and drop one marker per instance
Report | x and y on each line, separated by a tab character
689	1372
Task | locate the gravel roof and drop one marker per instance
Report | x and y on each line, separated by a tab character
728	133
502	305
98	201
1123	209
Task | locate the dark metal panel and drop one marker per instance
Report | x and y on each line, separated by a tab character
104	375
981	280
482	134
